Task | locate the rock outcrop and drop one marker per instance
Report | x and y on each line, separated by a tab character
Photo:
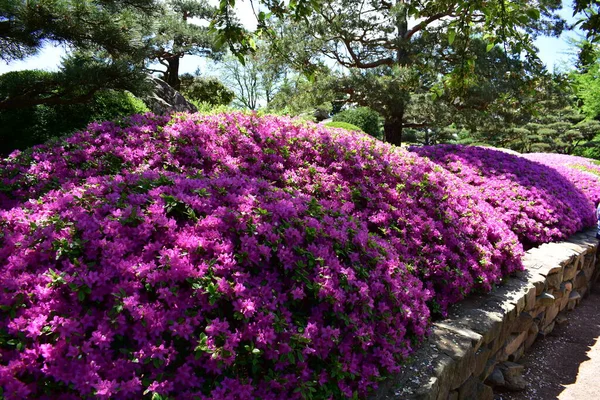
163	99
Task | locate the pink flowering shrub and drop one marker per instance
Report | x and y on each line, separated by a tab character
229	256
582	172
539	204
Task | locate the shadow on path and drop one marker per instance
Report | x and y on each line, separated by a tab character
566	364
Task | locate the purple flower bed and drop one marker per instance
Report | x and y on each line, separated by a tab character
229	256
580	171
539	203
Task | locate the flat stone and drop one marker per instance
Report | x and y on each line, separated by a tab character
473	388
475	338
545	299
481	359
449	343
489	368
532	335
522	323
530	297
516	356
496	378
574	295
580	280
569	272
554	280
514	342
551	314
578	246
484	322
561	319
564	301
589	272
513	376
545	331
539	282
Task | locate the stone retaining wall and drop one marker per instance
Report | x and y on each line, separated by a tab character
477	347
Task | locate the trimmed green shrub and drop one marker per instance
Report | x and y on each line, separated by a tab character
26	127
205	90
367	120
343	125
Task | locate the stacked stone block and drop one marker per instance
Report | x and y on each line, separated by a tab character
477	347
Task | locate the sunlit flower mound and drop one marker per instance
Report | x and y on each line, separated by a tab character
538	202
583	172
229	257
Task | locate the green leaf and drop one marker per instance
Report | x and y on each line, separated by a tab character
451	36
533	13
489	47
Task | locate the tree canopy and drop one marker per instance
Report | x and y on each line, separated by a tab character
392	50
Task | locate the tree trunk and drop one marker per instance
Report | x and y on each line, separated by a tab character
393	131
172	73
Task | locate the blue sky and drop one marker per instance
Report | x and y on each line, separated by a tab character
554	52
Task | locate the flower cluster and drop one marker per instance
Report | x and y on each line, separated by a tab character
538	202
580	171
229	256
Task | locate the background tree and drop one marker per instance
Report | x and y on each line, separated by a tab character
182	29
107	37
316	97
382	46
256	80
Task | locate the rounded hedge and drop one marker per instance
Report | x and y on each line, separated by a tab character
365	118
26	127
343	125
229	256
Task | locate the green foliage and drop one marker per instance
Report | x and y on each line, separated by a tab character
207	108
590	152
78	79
343	125
387	57
205	90
366	119
590	20
26	127
174	35
587	87
109	25
299	96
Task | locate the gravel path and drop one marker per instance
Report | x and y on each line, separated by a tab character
566	364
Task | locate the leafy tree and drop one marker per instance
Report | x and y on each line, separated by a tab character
587	89
387	46
107	37
256	80
205	90
111	25
589	19
79	78
175	34
298	95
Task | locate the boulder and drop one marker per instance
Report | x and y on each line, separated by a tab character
163	99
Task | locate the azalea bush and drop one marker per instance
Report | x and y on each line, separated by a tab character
229	256
538	202
584	173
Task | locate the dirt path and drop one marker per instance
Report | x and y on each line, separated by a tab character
566	364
